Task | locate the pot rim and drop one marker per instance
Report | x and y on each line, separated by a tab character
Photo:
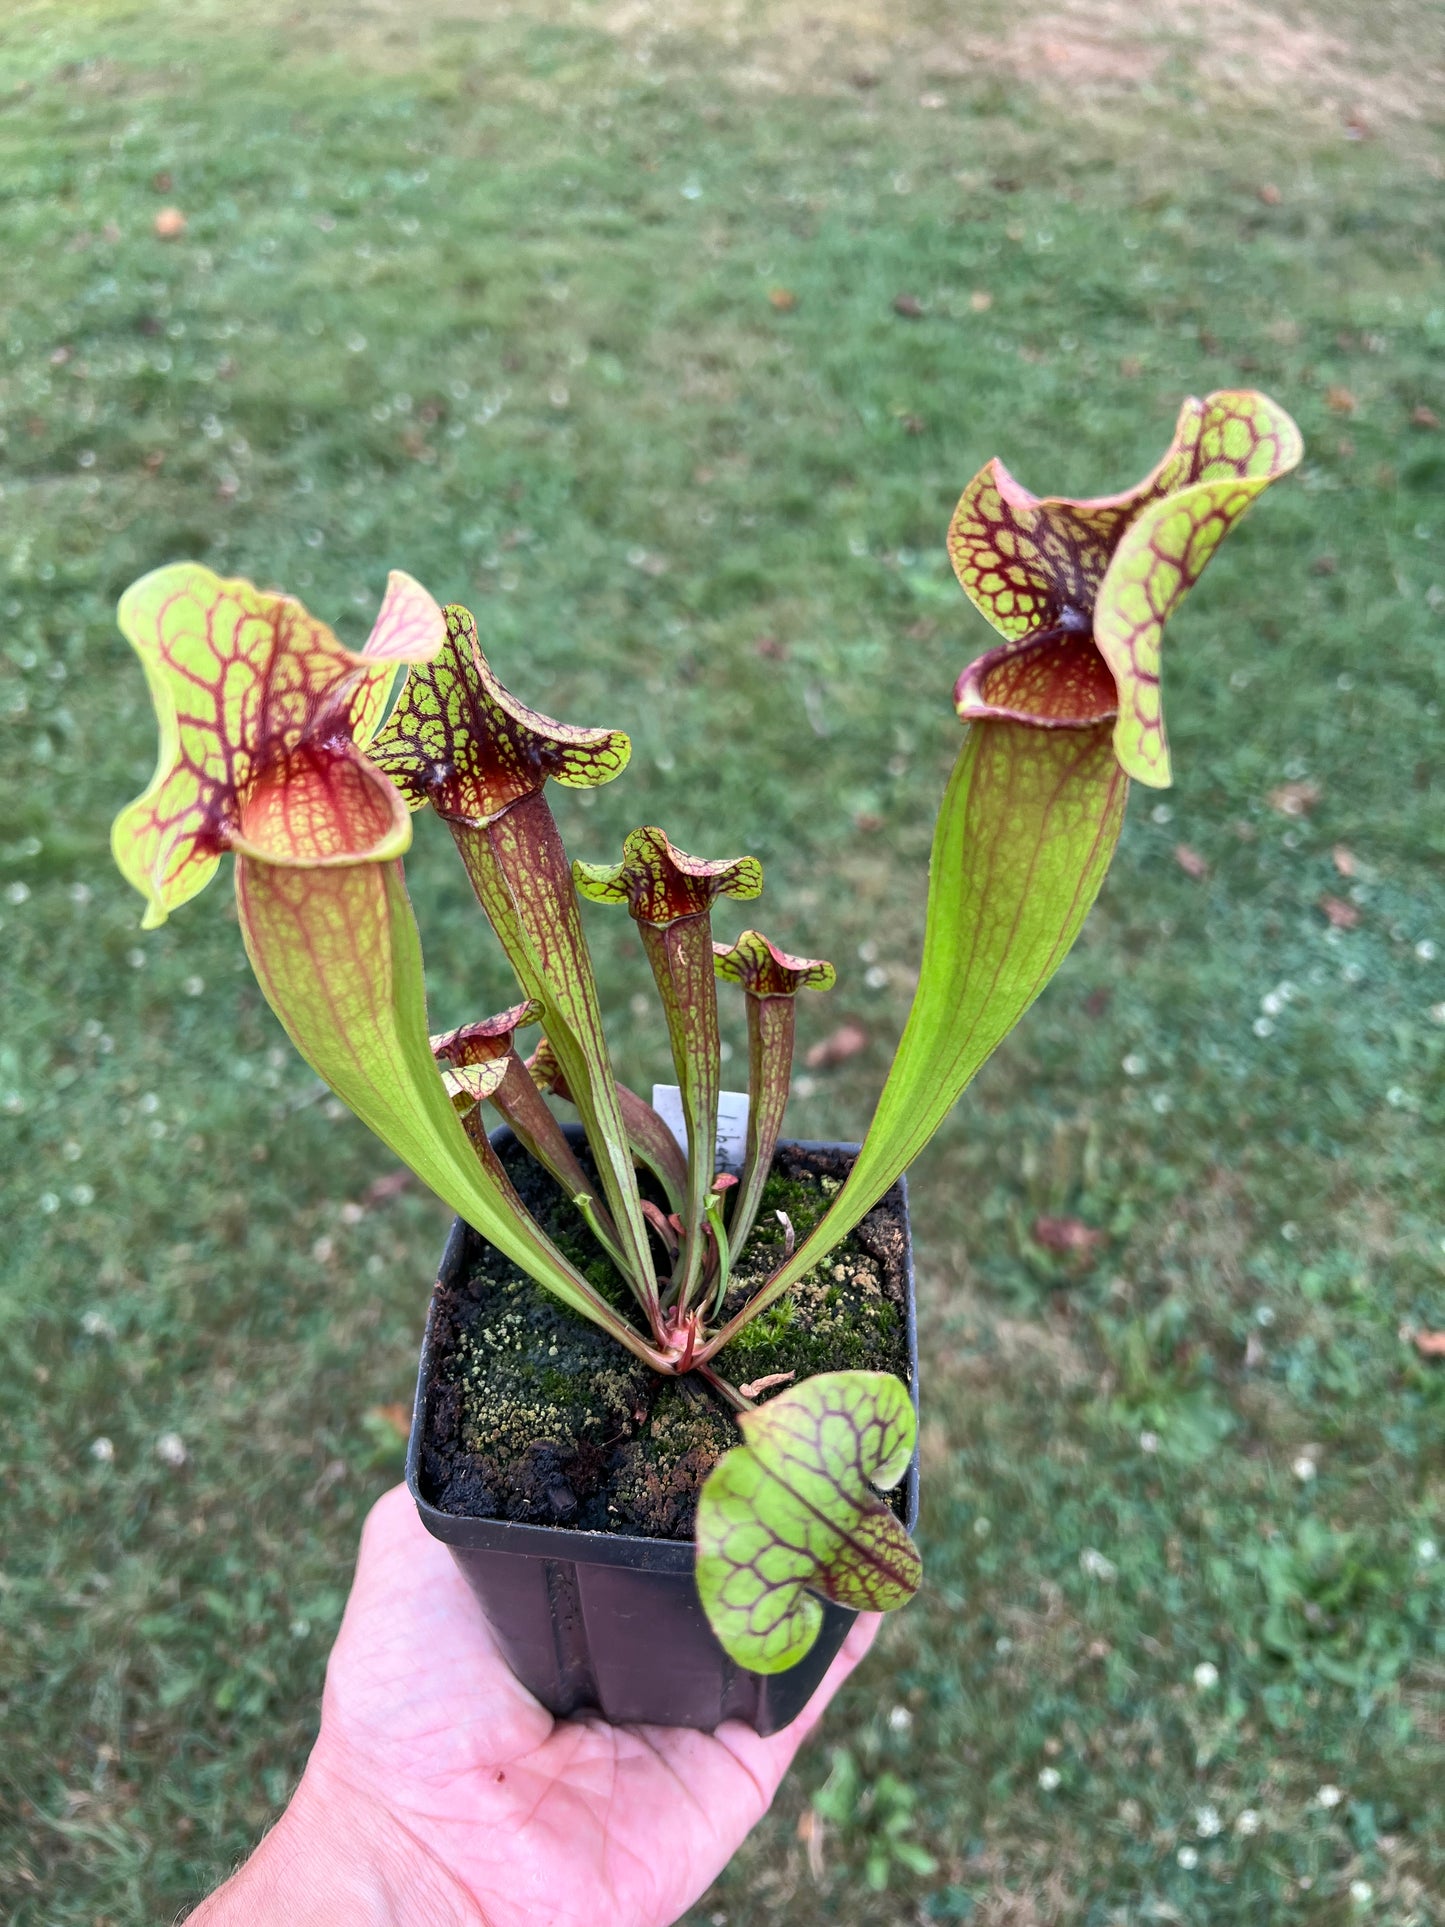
576	1543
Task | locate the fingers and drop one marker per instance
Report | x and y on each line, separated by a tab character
767	1760
854	1650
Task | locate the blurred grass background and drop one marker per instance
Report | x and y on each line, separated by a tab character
590	317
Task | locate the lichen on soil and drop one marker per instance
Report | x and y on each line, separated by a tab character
536	1415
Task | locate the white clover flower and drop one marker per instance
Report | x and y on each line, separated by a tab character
1207	1822
1248	1822
1049	1778
1361	1892
900	1720
1206	1675
1328	1796
1188	1858
1304	1468
102	1451
171	1449
1096	1566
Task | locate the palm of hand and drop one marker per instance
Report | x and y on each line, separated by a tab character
531	1820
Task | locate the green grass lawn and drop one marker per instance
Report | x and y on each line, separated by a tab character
586	318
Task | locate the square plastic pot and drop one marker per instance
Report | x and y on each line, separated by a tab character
608	1623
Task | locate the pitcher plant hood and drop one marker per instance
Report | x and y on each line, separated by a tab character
1081	590
263	715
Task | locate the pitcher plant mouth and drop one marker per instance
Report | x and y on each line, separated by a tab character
273	749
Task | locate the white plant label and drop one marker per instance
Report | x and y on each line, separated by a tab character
732	1123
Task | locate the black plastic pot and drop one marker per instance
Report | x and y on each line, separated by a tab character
608	1623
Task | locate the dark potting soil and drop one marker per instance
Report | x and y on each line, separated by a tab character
536	1415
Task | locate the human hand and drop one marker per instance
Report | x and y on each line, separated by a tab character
440	1794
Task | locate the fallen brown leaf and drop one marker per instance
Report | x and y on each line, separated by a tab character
1427	1344
757	1386
169	224
1190	861
909	306
1344	916
397	1417
1270	194
783	299
1424	417
1295	799
1067	1235
1340	399
1344	861
980	301
867	822
837	1047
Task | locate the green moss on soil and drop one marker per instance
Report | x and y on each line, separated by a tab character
539	1416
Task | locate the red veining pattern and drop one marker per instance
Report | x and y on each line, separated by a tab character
765	971
660	883
1034	566
481	1042
253	694
795	1514
460	741
1059	683
319	803
1023	560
